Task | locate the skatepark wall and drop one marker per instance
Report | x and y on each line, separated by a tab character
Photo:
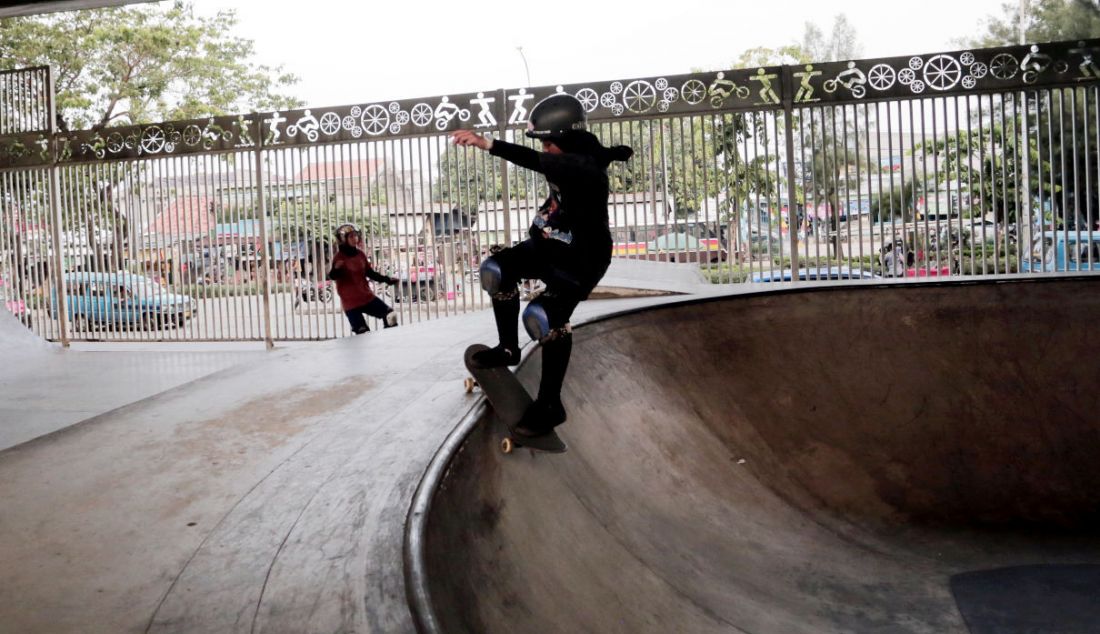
812	460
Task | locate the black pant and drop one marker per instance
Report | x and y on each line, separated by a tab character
569	279
569	276
374	308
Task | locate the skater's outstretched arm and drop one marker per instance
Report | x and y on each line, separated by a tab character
558	167
518	154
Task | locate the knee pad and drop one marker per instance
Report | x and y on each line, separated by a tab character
492	277
537	323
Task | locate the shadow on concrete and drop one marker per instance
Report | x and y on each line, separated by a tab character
1064	599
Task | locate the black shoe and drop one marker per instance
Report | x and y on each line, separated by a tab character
540	419
497	357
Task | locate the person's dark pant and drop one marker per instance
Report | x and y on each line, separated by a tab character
375	308
568	281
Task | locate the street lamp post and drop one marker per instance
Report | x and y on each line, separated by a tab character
525	67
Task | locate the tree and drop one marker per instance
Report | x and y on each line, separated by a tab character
827	153
315	228
1001	172
1043	21
841	44
122	66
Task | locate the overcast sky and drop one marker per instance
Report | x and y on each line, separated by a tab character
357	52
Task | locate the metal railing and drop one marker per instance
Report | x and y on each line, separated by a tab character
963	163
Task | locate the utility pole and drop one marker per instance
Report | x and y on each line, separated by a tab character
1021	24
525	67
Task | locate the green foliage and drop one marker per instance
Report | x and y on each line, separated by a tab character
151	63
1044	21
990	165
469	177
895	203
318	226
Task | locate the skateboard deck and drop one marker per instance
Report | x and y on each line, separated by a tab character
509	400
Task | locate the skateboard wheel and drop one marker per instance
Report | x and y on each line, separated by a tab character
469	384
506	445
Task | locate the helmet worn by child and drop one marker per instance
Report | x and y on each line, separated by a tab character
344	230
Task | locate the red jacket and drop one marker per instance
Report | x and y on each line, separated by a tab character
350	274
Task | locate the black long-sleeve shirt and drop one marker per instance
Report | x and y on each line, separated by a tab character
583	189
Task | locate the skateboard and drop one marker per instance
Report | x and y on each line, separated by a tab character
509	399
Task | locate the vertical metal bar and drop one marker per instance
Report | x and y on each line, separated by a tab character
1089	211
808	180
821	223
1018	167
55	211
838	174
955	256
264	285
849	160
1050	169
1065	184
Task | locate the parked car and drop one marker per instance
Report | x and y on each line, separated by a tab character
816	273
1065	250
122	300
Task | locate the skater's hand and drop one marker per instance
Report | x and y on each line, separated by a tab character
469	137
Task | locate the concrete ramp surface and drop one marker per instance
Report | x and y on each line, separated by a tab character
859	459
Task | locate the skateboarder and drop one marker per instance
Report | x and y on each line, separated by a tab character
569	246
350	270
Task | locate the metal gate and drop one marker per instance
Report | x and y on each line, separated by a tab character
948	164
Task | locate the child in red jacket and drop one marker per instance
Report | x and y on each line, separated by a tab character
350	271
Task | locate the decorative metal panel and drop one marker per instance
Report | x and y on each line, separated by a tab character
213	134
956	72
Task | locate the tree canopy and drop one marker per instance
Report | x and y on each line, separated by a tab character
1044	21
123	66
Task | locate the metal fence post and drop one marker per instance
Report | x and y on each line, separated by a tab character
787	86
505	186
62	308
265	265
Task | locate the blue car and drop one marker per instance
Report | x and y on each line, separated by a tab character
122	300
1065	250
815	273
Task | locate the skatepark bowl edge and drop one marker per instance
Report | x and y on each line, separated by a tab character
873	458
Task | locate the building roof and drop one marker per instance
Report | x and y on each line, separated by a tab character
185	217
339	170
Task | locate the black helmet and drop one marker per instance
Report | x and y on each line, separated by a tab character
343	230
554	116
